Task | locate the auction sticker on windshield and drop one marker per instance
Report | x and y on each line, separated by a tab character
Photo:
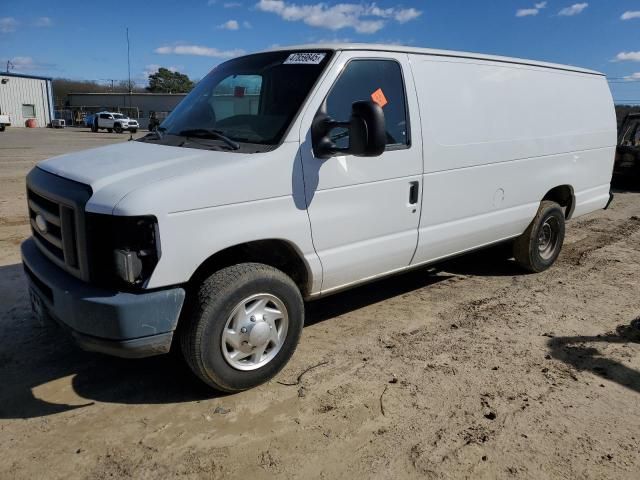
304	59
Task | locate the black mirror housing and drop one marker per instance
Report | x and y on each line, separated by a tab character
367	132
367	136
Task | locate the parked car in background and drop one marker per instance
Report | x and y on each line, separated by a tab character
627	164
5	121
113	122
296	173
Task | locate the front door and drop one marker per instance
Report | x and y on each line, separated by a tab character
364	212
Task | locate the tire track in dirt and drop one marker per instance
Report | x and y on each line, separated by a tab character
603	233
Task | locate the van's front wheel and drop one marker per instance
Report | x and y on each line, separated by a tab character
243	326
540	244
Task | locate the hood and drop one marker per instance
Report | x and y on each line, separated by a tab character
158	179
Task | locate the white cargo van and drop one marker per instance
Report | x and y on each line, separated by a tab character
295	173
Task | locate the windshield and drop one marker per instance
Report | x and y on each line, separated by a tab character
250	99
118	115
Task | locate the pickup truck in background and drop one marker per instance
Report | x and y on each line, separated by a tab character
113	122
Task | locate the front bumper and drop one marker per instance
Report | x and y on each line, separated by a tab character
130	325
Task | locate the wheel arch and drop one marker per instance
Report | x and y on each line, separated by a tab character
564	196
277	253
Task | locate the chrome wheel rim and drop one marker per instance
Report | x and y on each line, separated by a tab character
548	238
255	332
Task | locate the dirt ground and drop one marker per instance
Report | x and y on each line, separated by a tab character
471	369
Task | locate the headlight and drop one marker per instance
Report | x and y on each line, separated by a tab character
122	250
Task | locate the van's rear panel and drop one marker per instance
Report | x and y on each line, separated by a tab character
497	137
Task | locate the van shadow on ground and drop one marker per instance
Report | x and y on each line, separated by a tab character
32	356
580	353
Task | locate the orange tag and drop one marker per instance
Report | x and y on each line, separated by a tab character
379	98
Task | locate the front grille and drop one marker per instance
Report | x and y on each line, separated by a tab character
59	234
56	213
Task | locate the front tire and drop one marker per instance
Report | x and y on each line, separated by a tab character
134	130
540	244
242	327
117	128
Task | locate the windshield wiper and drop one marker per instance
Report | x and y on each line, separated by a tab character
210	133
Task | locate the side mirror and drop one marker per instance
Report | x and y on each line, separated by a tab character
366	129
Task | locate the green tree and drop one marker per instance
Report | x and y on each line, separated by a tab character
166	81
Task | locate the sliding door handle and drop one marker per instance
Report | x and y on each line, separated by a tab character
414	192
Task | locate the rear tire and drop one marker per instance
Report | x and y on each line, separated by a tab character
109	130
242	327
540	244
2	127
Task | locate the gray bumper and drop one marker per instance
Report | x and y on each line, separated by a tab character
117	323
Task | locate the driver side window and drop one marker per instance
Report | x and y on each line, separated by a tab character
377	80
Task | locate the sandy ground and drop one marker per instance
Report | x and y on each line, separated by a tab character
468	370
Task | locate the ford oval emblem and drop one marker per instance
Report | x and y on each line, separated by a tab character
41	223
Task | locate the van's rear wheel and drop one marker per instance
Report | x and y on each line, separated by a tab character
243	326
540	244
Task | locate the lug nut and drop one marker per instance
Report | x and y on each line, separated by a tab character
253	319
243	330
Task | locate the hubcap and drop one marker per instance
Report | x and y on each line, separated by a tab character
255	332
548	238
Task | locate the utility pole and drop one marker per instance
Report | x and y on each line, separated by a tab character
129	67
10	65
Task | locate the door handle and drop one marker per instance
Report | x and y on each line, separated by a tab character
414	192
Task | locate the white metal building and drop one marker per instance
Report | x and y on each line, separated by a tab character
25	97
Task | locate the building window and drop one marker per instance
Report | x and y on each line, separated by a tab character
28	111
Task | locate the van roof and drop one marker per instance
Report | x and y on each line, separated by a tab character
433	52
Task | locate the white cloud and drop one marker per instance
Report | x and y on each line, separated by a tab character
527	12
406	15
630	15
574	9
246	24
633	77
154	67
363	18
628	57
197	50
230	25
43	22
8	24
531	12
24	64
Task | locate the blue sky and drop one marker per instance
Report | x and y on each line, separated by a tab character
86	39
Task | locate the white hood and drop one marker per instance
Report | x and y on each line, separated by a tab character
161	179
